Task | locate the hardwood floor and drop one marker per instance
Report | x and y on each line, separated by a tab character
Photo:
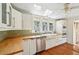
63	49
76	48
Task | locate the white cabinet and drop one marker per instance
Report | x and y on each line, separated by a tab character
32	46
16	19
50	43
29	46
9	17
27	22
54	42
5	15
0	13
25	46
40	44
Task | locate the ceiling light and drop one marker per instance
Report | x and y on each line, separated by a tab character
37	7
47	12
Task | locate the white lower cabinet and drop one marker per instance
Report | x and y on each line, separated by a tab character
54	42
29	46
50	43
32	46
25	46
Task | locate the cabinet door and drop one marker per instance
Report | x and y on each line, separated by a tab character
17	19
5	16
38	45
32	46
54	42
26	50
29	46
50	43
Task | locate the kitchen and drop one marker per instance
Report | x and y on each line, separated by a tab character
32	31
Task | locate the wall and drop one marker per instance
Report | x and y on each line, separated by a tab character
73	15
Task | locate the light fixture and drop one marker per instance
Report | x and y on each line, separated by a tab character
37	7
47	12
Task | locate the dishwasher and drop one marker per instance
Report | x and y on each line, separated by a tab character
40	44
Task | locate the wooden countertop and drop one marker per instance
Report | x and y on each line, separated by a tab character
13	45
9	46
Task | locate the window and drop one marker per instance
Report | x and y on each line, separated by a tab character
37	26
44	25
50	26
4	16
10	16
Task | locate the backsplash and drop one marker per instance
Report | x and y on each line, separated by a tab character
13	33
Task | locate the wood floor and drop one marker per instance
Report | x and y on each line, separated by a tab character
64	49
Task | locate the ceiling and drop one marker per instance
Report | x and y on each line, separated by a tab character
53	10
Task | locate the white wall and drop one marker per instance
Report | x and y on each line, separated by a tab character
73	15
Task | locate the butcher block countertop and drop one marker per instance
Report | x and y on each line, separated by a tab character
14	44
10	46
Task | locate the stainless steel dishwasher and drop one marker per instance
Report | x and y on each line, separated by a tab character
40	44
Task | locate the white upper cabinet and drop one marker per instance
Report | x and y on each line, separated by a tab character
16	19
27	22
0	14
10	18
6	15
